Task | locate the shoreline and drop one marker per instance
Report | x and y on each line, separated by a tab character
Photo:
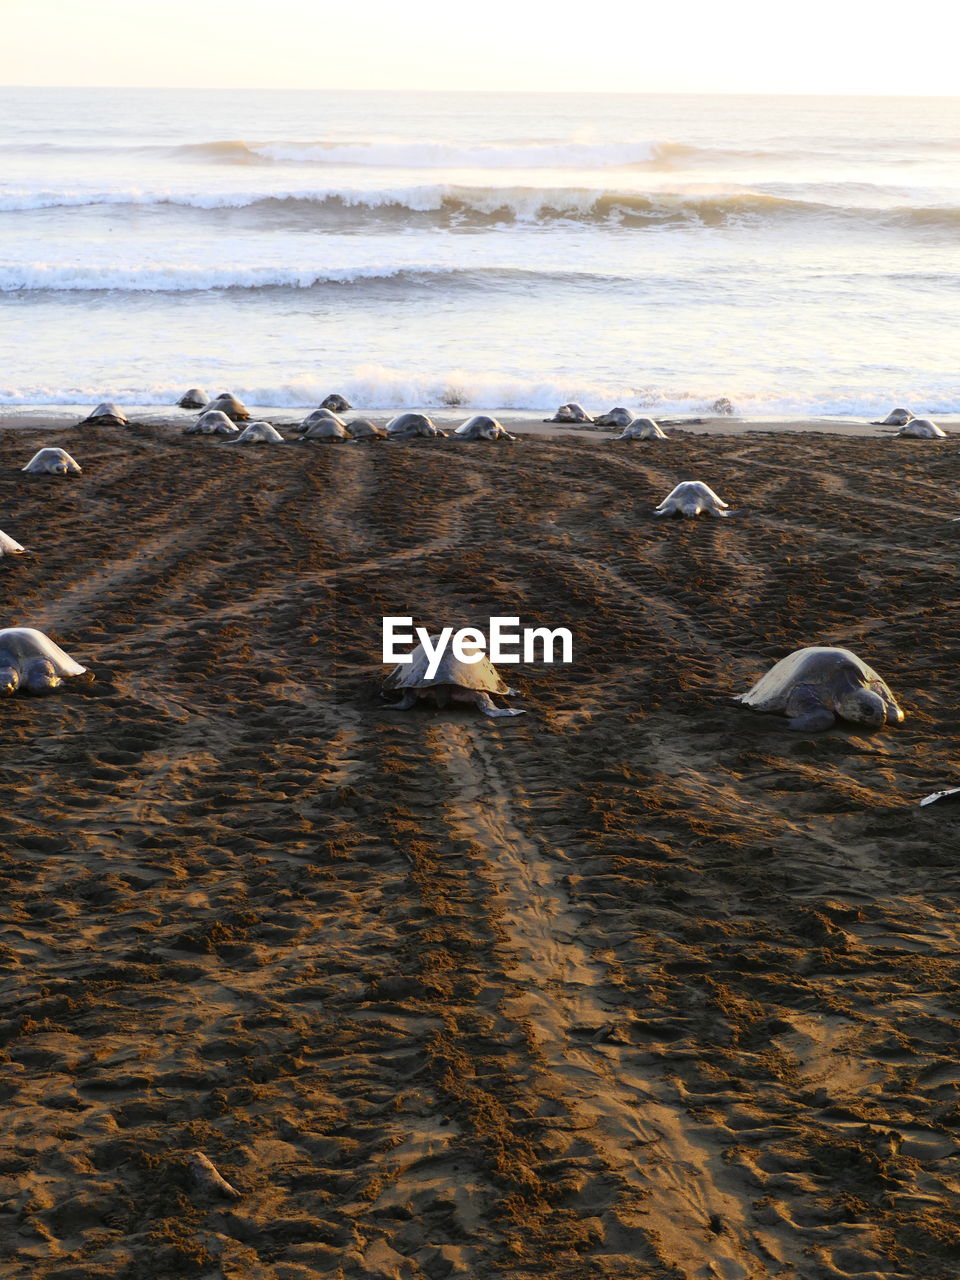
522	422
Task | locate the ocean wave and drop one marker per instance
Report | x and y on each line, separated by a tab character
43	277
374	387
398	153
453	206
511	153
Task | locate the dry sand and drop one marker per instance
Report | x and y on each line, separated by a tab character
637	985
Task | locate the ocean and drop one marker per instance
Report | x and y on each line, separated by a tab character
795	256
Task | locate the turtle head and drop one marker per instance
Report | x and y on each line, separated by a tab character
9	679
863	706
41	677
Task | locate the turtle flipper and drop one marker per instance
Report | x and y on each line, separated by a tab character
807	712
407	702
813	721
489	708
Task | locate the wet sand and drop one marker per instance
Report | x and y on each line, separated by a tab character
639	984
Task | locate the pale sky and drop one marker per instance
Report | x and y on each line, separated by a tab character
679	46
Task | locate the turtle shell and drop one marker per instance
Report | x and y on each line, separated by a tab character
212	422
364	429
193	399
338	403
24	644
411	422
259	433
466	675
320	415
618	417
693	489
478	425
230	405
895	418
49	461
922	429
643	429
326	429
571	412
831	670
107	412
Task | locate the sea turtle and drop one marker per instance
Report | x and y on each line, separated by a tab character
230	405
364	429
193	399
53	462
454	681
642	429
480	427
407	425
691	498
106	414
339	404
212	422
922	429
258	433
9	546
571	412
327	429
723	407
895	418
814	686
320	415
618	417
31	661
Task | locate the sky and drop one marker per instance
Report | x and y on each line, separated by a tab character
708	46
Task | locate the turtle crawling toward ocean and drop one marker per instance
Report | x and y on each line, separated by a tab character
212	422
571	412
922	429
618	417
454	681
406	426
258	433
339	404
364	429
32	663
53	462
229	404
193	399
692	498
642	429
895	418
106	414
480	427
330	430
814	687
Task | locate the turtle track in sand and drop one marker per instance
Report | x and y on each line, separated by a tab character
639	985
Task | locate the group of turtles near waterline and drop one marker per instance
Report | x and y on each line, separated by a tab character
326	426
634	427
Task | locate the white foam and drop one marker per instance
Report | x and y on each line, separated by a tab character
445	155
375	387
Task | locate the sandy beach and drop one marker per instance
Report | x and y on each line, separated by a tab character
639	984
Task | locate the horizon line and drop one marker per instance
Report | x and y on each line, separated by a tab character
608	93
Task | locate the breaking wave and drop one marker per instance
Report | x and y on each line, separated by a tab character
452	206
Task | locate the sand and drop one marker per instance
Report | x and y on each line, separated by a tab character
639	984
